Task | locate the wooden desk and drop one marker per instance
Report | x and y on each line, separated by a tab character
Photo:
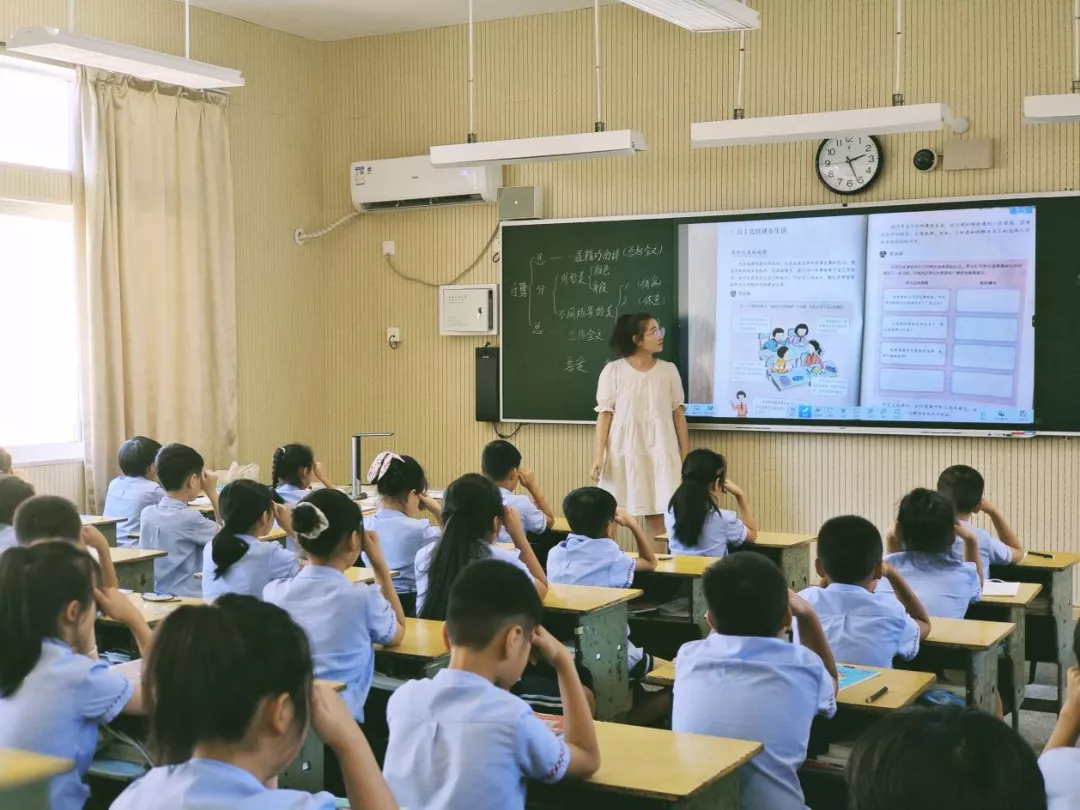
656	585
135	567
595	619
105	525
421	654
650	767
24	778
905	686
365	576
1011	609
1049	632
972	645
155	612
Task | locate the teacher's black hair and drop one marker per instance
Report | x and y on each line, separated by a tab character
628	329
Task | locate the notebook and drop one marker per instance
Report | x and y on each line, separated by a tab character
996	587
849	675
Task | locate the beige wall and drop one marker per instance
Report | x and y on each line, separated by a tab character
396	95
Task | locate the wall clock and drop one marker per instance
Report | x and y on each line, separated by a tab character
849	165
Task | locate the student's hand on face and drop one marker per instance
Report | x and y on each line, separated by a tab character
733	489
512	521
319	471
798	605
985	505
116	605
527	477
965	533
624	518
209	481
91	537
547	646
330	717
370	545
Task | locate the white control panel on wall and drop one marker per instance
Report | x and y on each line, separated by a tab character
468	309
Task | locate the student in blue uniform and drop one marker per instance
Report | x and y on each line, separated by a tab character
236	560
229	694
965	487
501	462
696	525
745	680
864	626
588	556
136	489
54	692
460	739
293	470
50	517
342	619
473	514
402	532
171	526
925	530
1060	760
13	491
944	758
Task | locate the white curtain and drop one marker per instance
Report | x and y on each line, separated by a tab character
155	240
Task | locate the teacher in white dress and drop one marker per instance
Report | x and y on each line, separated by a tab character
641	435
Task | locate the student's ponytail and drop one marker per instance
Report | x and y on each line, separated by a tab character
36	584
693	502
288	461
396	476
324	520
470	507
243	504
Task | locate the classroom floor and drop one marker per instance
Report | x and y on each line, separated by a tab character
1035	727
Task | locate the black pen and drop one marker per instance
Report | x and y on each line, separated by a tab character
1042	554
877	694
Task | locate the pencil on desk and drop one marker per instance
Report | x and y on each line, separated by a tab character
1042	554
877	694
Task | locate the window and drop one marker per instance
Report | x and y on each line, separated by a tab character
40	418
35	108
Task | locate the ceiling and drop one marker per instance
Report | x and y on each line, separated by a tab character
345	19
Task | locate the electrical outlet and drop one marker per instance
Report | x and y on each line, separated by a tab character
389	248
393	336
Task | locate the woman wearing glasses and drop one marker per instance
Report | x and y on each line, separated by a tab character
641	435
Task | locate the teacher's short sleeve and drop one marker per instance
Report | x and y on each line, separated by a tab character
605	390
675	383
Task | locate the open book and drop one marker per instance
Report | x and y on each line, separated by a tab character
996	587
896	316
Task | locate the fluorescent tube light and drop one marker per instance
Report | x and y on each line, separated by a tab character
818	126
538	150
77	49
702	16
1057	109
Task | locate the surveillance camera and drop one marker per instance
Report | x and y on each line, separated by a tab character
925	160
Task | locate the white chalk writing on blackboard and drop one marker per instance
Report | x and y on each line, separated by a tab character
575	365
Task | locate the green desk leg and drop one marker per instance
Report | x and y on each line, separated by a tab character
137	576
1015	646
601	641
723	794
795	563
308	771
698	606
982	681
26	797
1061	608
109	532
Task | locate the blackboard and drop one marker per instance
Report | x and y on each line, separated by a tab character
563	286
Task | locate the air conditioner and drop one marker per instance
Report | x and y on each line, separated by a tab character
403	183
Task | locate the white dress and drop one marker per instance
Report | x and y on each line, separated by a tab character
642	466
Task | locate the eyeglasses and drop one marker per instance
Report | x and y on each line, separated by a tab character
658	332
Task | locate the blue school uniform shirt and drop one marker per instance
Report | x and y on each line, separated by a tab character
580	560
342	621
423	564
532	519
1061	771
458	741
128	495
208	784
292	494
401	537
863	628
264	562
992	551
7	538
722	530
945	586
171	526
749	688
57	710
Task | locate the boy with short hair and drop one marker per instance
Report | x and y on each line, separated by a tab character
501	462
1060	760
461	739
13	491
745	680
50	517
965	487
588	555
863	625
6	467
171	526
136	489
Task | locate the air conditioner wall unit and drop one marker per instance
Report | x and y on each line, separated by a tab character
401	184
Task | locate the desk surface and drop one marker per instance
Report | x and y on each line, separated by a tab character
782	540
664	764
967	634
423	639
154	612
365	576
681	565
18	768
904	687
1059	561
132	670
97	520
586	598
1027	592
122	556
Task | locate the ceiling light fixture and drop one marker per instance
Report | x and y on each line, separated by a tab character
702	16
1060	108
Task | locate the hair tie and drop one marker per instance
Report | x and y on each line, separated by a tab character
380	465
321	523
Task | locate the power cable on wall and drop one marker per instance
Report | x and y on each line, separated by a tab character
459	276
